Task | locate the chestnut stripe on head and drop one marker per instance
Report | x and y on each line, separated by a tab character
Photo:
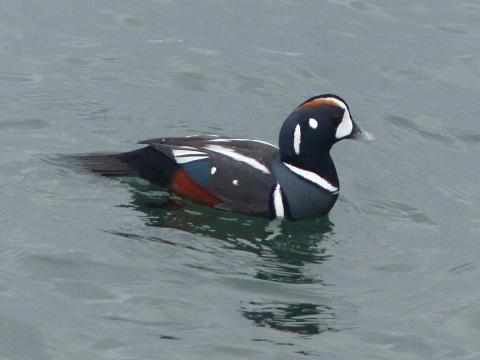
323	101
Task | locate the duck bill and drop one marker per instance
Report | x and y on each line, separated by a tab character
359	134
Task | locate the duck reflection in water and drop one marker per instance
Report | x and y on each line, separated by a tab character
283	250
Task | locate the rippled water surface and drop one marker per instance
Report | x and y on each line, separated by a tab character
93	268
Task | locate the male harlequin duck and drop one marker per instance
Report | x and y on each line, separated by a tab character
296	180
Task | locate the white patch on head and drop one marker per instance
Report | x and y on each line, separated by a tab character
235	182
297	138
346	126
187	159
278	202
313	177
213	170
239	157
313	123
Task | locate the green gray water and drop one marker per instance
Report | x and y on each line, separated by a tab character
91	269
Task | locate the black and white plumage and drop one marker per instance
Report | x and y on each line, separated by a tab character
295	181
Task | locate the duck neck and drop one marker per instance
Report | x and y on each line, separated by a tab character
320	164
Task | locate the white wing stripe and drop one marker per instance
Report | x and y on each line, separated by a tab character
257	141
181	152
311	176
186	159
239	157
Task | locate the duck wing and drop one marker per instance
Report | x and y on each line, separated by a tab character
236	171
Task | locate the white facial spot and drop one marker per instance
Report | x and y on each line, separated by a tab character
297	138
235	182
313	123
213	170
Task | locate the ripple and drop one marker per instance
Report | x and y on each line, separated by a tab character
83	290
472	7
396	268
286	53
470	138
366	7
22	339
471	61
403	73
409	124
76	61
20	78
165	41
131	21
300	318
23	124
458	269
205	51
190	80
454	29
419	345
395	210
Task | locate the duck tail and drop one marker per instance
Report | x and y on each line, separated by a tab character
104	164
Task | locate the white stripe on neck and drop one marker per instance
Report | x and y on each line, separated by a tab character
313	177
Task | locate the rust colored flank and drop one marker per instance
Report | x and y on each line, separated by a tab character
183	185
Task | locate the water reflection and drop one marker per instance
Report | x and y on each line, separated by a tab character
300	318
283	250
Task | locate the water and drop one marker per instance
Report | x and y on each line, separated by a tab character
91	268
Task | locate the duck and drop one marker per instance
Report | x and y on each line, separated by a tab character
295	180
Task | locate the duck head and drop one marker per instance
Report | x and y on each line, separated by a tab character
315	126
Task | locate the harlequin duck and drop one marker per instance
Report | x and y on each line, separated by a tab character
296	180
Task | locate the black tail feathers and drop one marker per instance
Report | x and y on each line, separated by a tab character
146	163
105	164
